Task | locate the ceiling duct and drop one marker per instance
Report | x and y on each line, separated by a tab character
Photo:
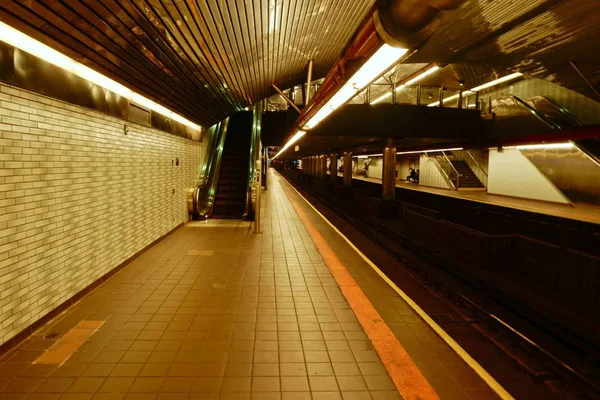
409	23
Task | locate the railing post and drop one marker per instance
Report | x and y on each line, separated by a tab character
460	99
452	167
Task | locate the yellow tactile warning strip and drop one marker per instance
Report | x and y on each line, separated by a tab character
478	369
69	343
408	379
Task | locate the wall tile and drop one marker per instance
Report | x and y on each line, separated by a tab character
77	198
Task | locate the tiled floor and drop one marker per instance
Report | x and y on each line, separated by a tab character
212	312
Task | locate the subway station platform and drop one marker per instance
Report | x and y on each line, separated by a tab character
577	211
215	311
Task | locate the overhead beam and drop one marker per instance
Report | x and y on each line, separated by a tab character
287	99
401	121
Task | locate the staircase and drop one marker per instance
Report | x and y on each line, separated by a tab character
468	179
230	199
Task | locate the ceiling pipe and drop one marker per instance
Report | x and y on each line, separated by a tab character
399	23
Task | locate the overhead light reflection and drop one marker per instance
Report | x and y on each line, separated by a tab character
28	44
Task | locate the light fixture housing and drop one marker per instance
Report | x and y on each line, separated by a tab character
382	60
18	39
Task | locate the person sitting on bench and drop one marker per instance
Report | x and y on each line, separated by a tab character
413	176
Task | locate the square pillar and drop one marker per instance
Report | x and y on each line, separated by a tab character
347	170
333	168
388	181
322	167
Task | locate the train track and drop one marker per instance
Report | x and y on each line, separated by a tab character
554	362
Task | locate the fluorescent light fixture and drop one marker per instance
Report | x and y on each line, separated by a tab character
544	146
481	87
26	43
429	151
383	58
290	142
498	81
408	83
370	155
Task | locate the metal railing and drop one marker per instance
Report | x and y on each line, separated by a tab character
476	163
444	165
432	96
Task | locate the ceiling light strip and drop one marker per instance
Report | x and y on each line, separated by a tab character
407	83
297	136
479	88
543	146
379	62
29	45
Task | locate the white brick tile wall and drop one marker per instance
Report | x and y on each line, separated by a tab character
77	198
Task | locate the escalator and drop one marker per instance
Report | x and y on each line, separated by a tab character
573	170
560	118
230	197
225	188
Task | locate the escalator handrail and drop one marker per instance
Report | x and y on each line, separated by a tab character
204	193
536	113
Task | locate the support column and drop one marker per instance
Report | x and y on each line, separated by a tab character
346	190
313	166
347	170
333	168
388	182
323	167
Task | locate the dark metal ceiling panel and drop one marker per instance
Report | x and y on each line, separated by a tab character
204	59
537	37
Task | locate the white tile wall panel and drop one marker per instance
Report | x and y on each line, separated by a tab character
77	198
